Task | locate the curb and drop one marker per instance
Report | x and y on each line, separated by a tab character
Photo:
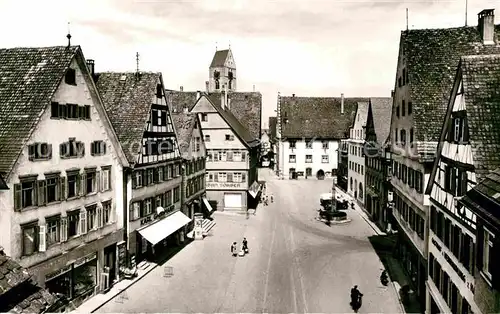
393	284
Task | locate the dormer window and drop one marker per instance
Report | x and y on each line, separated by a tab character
70	77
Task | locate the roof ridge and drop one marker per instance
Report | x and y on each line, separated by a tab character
441	28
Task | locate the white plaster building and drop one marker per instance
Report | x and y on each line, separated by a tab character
309	130
62	217
356	155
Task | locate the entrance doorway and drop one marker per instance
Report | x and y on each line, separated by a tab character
320	175
110	261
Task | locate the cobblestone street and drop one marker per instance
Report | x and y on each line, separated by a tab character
296	264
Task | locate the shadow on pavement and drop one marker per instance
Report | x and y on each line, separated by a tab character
170	252
384	246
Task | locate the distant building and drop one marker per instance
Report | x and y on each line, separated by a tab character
356	156
378	162
63	214
343	165
471	119
273	141
483	202
427	61
309	130
136	105
222	72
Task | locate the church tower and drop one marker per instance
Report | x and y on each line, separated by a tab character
222	72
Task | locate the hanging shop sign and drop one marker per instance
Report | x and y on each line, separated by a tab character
225	185
157	215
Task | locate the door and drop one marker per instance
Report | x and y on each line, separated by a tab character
110	261
232	200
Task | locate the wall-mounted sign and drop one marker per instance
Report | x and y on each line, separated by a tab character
58	273
225	185
85	259
155	216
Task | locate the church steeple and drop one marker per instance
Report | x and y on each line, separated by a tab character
222	71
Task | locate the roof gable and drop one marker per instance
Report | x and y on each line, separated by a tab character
184	123
127	98
204	105
361	115
484	198
380	111
317	117
219	59
432	56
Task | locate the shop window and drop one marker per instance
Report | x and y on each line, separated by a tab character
61	284
84	278
30	239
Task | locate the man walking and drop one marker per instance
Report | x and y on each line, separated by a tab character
234	250
245	245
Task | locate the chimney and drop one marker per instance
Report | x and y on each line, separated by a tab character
342	103
91	66
486	26
185	109
293	95
207	84
1	251
392	93
182	88
198	95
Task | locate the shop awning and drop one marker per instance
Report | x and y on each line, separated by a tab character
207	204
165	227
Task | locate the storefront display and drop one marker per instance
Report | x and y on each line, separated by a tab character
75	279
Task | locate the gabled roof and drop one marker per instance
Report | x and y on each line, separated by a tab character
245	106
484	198
29	78
273	121
127	98
361	113
241	132
219	59
381	111
318	117
184	123
18	293
480	76
432	57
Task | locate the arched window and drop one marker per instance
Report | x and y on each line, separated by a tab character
360	190
352	185
217	85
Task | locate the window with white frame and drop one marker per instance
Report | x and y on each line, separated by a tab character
291	158
309	158
105	179
229	137
207	138
222	177
237	177
325	145
324	159
135	211
222	156
237	156
487	252
148	207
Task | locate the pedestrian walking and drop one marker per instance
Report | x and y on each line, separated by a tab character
234	250
245	245
272	198
356	298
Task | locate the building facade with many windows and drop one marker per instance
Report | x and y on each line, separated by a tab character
62	217
423	83
356	155
462	160
137	107
310	129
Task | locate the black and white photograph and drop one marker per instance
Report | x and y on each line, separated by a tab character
236	156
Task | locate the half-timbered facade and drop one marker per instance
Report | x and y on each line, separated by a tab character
483	201
137	107
376	164
427	61
193	152
462	158
62	216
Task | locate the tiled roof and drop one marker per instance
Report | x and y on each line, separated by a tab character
234	123
381	114
273	121
481	82
485	197
184	123
219	59
318	117
432	58
127	99
245	106
28	79
18	294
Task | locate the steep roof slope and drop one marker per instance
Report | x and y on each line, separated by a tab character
127	99
362	113
432	57
485	197
28	79
318	117
219	59
381	113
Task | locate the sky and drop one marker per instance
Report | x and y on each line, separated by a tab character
318	48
